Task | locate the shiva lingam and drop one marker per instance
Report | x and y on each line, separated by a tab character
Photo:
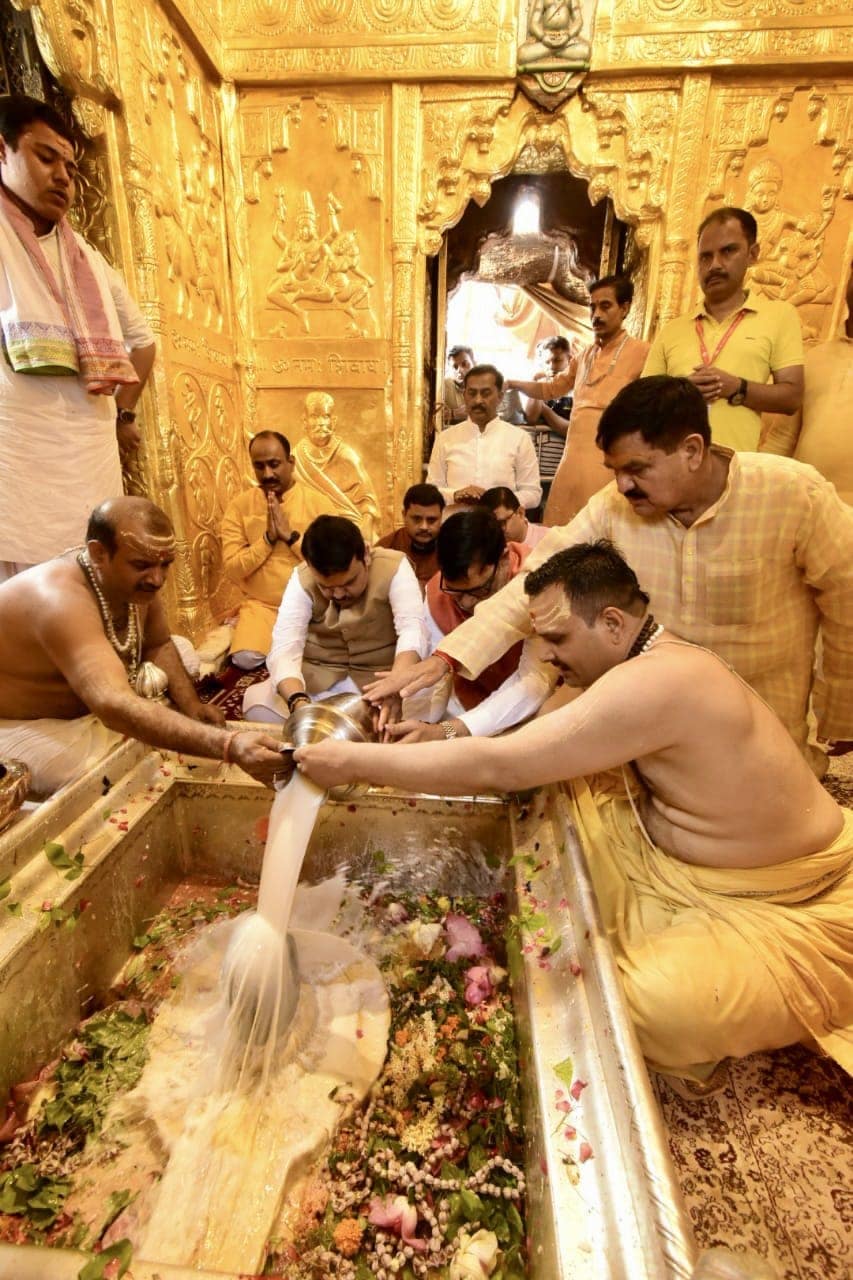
14	785
343	716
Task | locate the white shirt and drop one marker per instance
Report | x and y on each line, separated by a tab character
520	695
500	454
291	626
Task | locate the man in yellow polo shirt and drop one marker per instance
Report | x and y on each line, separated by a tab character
736	341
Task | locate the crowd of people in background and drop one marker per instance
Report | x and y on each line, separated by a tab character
715	460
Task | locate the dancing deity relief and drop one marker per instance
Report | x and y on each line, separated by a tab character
789	265
319	271
333	468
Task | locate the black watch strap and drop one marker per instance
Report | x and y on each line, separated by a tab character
296	698
125	415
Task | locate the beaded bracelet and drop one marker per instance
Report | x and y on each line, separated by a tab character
226	748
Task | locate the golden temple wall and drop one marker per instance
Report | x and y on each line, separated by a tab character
242	134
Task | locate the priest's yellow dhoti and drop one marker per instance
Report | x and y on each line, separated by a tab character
721	961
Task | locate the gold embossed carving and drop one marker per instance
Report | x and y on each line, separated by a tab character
786	155
314	171
174	185
321	276
655	34
74	40
303	40
620	140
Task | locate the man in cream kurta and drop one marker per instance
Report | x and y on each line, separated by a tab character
59	435
747	554
483	451
613	360
260	533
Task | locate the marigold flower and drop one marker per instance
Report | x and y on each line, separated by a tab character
347	1236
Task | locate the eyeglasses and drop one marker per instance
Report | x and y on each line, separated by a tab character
477	593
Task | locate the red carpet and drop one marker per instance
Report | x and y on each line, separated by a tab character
226	689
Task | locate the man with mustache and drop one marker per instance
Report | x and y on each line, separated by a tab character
76	348
260	536
743	352
595	376
748	554
723	870
483	451
74	633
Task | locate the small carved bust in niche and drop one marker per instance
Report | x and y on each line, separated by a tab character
332	467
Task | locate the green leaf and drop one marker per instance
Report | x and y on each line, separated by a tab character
118	1201
141	940
56	855
95	1269
5	889
565	1072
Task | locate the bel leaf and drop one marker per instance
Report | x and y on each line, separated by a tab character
56	855
565	1072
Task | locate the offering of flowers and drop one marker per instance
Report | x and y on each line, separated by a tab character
426	1180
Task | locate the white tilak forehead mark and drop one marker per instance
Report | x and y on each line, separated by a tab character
154	546
558	613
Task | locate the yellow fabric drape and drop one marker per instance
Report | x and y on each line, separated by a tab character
572	318
716	961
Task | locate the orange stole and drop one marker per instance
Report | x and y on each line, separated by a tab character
447	615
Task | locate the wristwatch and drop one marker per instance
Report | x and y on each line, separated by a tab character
294	538
448	728
738	397
125	416
295	698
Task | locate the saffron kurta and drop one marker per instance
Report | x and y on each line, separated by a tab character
596	376
260	570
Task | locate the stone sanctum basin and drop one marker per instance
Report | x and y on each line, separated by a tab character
146	822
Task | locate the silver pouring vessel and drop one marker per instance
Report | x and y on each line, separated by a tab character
343	716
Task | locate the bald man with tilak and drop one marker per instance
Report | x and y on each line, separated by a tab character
74	632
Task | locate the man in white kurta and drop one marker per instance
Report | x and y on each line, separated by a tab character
483	451
59	435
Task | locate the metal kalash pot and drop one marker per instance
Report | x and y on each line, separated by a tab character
344	716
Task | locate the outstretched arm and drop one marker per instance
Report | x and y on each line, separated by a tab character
74	640
621	717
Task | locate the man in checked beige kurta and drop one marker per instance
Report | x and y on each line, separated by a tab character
748	554
596	375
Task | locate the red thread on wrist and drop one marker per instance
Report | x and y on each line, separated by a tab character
445	657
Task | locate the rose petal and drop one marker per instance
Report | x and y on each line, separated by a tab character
577	1089
463	937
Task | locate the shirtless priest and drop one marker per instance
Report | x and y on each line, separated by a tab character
73	634
723	870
